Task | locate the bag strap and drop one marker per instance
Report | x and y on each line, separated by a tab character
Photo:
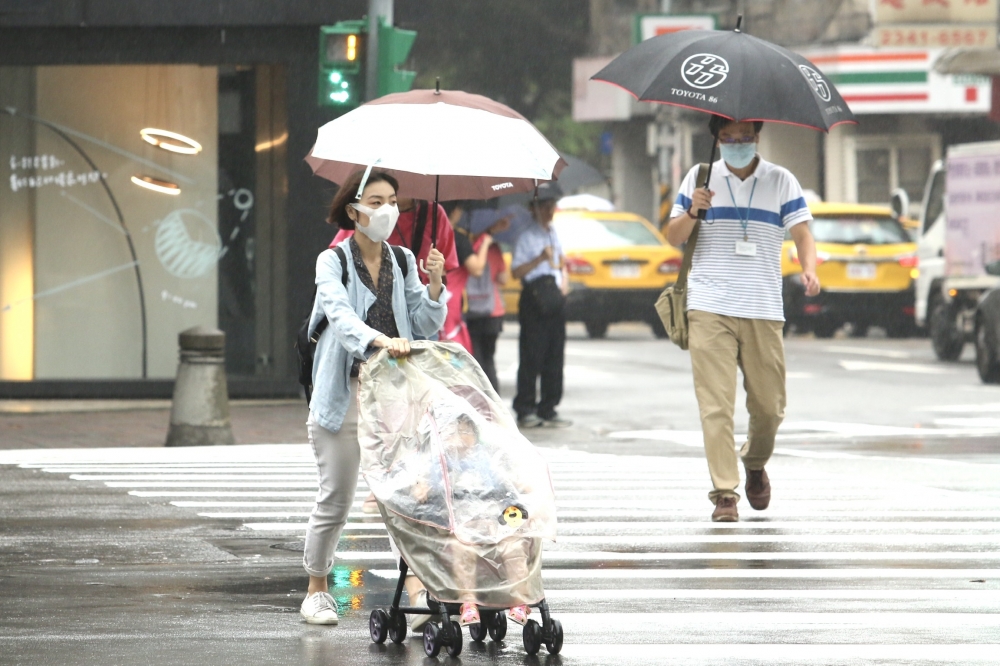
420	224
434	224
682	276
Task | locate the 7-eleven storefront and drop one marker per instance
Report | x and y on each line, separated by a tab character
908	115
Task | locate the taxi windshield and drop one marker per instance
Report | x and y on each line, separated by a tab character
589	233
858	230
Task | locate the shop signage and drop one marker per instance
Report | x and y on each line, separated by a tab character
900	81
935	11
937	35
653	25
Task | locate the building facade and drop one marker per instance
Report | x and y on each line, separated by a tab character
152	179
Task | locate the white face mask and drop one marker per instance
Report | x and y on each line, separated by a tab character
381	221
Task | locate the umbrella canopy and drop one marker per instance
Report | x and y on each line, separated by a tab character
731	74
440	145
482	219
578	174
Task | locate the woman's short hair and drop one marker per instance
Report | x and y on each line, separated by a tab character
347	194
716	123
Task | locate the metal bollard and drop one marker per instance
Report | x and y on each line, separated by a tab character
199	415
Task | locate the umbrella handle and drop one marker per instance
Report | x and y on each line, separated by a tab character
708	177
420	264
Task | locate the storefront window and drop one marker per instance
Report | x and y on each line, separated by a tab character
127	215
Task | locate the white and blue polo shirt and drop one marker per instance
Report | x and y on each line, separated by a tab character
721	281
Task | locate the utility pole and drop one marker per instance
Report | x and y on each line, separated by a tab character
377	9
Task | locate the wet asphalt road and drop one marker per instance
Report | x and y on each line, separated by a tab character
880	546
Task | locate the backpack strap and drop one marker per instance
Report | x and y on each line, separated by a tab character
324	322
343	264
400	259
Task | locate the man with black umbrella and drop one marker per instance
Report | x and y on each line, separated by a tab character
734	303
538	262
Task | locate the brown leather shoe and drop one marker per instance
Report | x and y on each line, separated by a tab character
725	511
758	489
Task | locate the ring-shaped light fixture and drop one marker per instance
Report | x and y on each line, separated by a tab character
157	185
172	141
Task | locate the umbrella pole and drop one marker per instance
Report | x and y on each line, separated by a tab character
708	178
434	219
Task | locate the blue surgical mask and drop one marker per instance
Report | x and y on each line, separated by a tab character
738	155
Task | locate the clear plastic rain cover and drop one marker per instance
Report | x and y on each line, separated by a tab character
466	498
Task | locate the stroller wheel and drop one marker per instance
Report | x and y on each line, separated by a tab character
455	645
532	637
477	632
378	625
432	639
554	644
498	627
397	628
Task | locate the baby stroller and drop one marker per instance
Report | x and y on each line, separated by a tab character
464	496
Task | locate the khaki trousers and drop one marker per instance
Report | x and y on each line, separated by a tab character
718	345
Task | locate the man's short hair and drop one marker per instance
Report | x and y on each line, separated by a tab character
716	123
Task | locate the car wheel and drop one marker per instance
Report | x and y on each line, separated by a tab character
596	329
946	339
825	328
987	363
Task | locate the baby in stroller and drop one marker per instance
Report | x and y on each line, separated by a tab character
480	493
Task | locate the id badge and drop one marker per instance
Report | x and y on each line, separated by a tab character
746	249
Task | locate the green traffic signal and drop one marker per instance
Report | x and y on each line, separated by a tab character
340	91
341	64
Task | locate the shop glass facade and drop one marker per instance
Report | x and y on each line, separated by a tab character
129	206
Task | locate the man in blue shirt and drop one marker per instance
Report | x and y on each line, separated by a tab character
538	262
734	306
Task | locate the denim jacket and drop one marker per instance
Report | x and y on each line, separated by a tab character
348	336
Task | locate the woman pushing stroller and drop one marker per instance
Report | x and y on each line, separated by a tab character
381	305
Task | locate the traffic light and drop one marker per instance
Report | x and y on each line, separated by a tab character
394	47
341	60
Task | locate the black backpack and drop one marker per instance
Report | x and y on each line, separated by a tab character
305	344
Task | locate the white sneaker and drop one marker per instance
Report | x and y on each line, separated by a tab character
417	622
319	608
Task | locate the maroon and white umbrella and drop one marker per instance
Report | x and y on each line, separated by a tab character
441	145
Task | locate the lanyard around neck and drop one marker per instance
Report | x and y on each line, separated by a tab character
744	220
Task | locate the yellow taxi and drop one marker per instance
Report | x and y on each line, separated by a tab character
618	264
867	265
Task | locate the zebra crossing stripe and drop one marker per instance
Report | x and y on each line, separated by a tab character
954	596
580	652
590	575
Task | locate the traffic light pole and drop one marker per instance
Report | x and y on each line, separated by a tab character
377	9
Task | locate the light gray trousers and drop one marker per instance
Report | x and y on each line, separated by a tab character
338	458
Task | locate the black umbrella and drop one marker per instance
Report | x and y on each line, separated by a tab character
731	74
